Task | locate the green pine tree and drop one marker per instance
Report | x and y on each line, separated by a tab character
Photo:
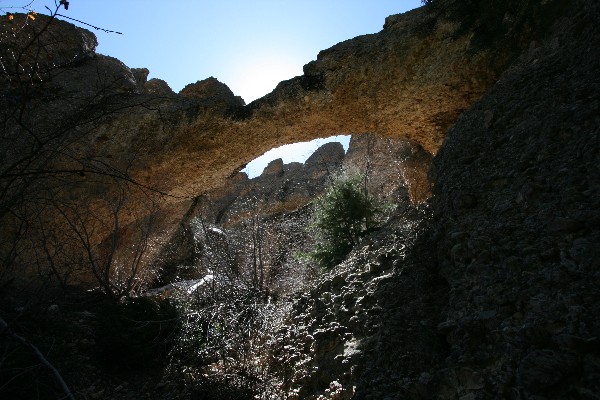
343	215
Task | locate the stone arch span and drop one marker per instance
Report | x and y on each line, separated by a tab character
411	80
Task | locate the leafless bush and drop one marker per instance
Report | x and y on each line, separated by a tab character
231	313
66	211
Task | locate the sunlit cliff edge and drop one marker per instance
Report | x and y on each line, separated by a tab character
488	289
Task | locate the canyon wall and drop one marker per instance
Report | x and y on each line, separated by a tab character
490	290
410	80
394	170
86	131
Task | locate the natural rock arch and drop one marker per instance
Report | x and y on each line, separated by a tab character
411	81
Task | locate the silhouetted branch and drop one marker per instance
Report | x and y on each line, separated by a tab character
90	25
38	354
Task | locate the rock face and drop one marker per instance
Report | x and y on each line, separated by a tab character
391	83
496	295
368	84
411	80
210	90
490	289
280	188
289	187
365	324
281	196
158	87
76	44
518	232
391	165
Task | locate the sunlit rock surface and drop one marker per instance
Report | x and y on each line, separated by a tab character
490	289
411	80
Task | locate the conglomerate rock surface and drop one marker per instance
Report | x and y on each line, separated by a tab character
410	80
395	171
392	168
489	291
518	229
497	294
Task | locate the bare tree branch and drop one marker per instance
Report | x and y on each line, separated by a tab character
38	354
90	25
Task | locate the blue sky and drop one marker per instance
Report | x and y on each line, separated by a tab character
250	45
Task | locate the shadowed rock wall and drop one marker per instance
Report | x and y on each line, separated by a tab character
496	294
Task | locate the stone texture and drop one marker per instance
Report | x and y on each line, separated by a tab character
158	87
494	298
141	77
489	290
76	44
213	93
371	309
391	83
281	197
275	167
100	71
289	187
391	165
515	198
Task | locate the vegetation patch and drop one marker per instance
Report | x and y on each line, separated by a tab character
343	215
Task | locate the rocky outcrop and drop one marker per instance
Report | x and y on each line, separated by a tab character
496	295
280	198
158	87
368	84
518	227
411	80
391	165
141	77
279	189
216	94
373	304
392	83
488	291
285	188
76	45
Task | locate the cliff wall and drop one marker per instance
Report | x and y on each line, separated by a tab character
92	132
410	80
489	290
492	291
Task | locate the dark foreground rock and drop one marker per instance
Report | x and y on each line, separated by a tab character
518	231
498	295
491	290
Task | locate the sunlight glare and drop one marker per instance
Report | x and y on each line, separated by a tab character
259	76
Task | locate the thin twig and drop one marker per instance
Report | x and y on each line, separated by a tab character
38	354
90	25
